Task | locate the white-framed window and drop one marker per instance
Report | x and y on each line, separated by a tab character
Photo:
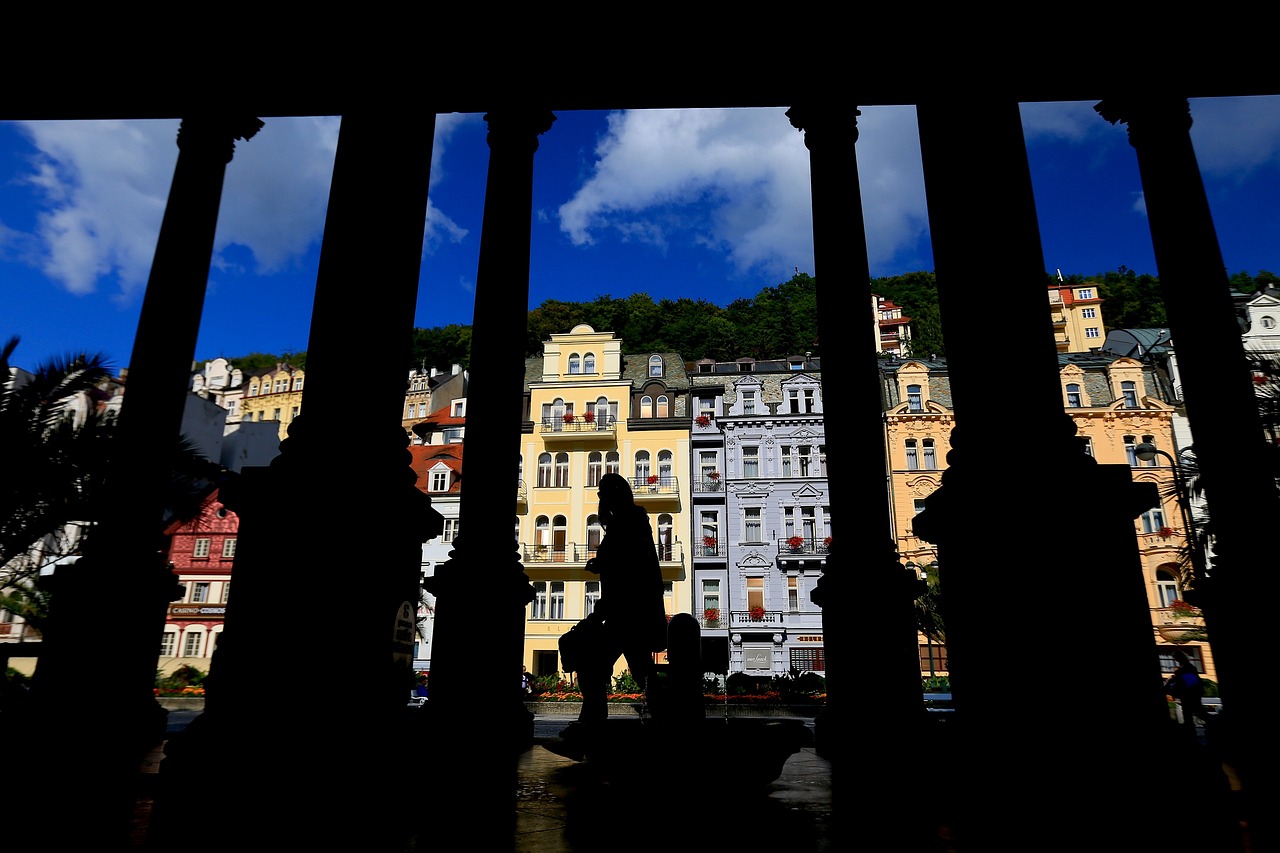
918	505
575	364
541	605
595	468
595	532
422	409
1088	445
930	454
226	591
589	363
194	642
606	412
752	524
1129	391
646	406
751	462
557	600
913	455
439	481
755	592
459	408
642	465
282	385
1130	450
668	598
293	412
707	466
562	470
453	435
297	384
915	399
201	548
666	537
793	401
1153	520
612	462
711	594
200	592
709	527
1166	588
665	467
707	406
1088	313
275	414
793	594
784	458
655	365
1268	322
1092	332
168	642
544	470
1074	399
590	597
810	402
542	536
748	401
1084	293
450	529
228	548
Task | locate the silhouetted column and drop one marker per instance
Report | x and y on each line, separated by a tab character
87	750
330	534
1013	718
863	565
482	590
1232	456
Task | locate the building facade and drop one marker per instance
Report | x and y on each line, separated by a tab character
1076	311
274	394
591	410
439	471
202	552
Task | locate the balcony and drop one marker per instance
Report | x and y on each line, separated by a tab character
708	485
803	546
766	619
578	428
655	489
709	547
573	554
522	497
1179	625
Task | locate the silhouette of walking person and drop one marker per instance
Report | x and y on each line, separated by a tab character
1185	686
631	600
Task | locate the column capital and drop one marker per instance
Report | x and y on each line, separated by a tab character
520	124
216	135
1147	117
810	119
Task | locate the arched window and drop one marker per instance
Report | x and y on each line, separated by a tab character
1166	587
612	462
665	468
646	406
575	364
559	537
915	402
604	413
589	363
655	365
595	468
542	537
642	466
562	470
544	470
666	547
595	532
662	406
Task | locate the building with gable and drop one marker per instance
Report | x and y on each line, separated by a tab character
202	552
439	471
274	394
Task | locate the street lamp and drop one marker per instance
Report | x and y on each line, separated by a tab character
1148	452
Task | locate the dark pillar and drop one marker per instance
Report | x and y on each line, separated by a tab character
1226	428
869	774
1029	749
481	592
87	750
331	534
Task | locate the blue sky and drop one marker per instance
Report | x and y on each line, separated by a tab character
707	204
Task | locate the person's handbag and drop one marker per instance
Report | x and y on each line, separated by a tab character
580	643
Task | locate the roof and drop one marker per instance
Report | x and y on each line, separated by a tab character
1137	342
426	457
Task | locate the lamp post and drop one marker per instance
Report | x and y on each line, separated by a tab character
1147	452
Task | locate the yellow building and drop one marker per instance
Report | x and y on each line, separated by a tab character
274	394
591	410
1076	310
1115	405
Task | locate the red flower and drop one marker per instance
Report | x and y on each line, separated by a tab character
709	541
568	417
653	478
756	613
795	541
702	420
589	416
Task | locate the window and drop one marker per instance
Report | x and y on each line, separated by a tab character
575	364
1130	450
709	527
226	592
1088	313
655	365
666	549
453	435
191	648
810	403
595	532
706	468
748	402
228	548
755	592
646	406
589	363
751	462
752	528
1092	332
915	402
562	470
439	481
793	401
275	414
422	410
808	523
542	537
293	412
450	531
201	548
793	594
1166	588
806	452
809	659
168	642
707	406
913	457
1084	293
642	466
1130	393
595	468
930	455
297	384
282	385
606	413
612	462
459	408
711	594
540	603
590	597
918	505
663	404
200	592
544	470
1268	322
557	600
1167	663
1088	445
665	469
1153	520
668	597
784	456
1074	400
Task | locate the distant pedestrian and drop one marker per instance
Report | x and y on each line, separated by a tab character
420	692
1187	689
526	686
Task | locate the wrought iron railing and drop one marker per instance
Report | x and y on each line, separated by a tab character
708	484
655	485
800	546
575	553
578	424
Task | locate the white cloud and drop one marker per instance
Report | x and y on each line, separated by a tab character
738	180
1071	121
1233	137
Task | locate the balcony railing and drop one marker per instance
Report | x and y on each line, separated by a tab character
654	485
745	618
575	553
707	484
707	549
578	427
522	496
800	546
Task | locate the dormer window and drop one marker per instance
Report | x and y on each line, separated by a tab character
655	365
459	408
440	481
915	402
